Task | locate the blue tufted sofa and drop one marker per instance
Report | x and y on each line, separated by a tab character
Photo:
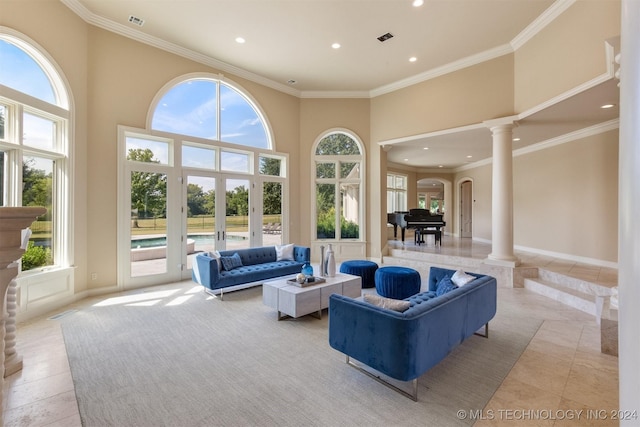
404	345
258	265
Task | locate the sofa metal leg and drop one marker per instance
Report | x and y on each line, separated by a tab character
486	331
210	292
414	383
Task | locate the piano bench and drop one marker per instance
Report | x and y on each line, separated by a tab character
419	236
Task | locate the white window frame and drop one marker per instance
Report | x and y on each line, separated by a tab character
336	181
42	287
175	171
396	192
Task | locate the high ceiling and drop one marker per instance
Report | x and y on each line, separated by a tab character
288	46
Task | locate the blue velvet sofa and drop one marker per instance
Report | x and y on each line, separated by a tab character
404	345
258	265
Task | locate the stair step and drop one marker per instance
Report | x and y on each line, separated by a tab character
583	286
568	296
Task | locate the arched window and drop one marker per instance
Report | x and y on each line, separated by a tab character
338	165
211	109
34	146
203	176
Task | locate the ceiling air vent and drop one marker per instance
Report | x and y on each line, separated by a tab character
137	21
385	37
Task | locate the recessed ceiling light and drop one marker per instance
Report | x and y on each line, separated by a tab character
417	3
440	166
413	59
516	139
605	106
336	45
425	148
406	160
468	157
240	40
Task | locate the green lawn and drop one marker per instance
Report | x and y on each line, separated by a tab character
42	229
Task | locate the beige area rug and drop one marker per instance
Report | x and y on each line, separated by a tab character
175	357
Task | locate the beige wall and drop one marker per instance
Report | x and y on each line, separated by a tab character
113	80
64	37
566	198
481	193
316	117
128	75
567	53
467	96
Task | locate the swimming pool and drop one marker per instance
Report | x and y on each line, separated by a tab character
199	239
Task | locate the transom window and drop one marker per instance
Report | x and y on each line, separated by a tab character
211	109
338	187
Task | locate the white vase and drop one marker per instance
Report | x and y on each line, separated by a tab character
331	262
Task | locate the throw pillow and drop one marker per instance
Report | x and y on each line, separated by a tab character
284	252
231	262
216	255
461	278
445	285
388	303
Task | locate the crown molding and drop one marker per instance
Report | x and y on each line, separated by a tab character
431	134
445	69
542	21
311	94
547	17
156	42
608	75
569	137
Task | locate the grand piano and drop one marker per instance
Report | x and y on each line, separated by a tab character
423	221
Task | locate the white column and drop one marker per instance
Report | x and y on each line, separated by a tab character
628	208
502	194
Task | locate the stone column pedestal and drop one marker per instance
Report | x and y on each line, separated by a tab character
12	222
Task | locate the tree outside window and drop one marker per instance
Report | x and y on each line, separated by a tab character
33	130
338	187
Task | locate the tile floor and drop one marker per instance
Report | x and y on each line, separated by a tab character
561	379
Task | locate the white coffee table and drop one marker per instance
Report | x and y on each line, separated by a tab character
294	301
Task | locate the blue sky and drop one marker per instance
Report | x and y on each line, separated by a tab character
19	71
189	108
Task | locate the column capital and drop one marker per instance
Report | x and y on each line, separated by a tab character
501	122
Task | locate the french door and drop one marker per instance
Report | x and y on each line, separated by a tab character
215	215
150	249
236	213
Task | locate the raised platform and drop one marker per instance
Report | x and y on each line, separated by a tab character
581	286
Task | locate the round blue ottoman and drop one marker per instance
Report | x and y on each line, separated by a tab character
364	269
397	282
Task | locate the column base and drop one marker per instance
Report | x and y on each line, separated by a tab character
503	261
